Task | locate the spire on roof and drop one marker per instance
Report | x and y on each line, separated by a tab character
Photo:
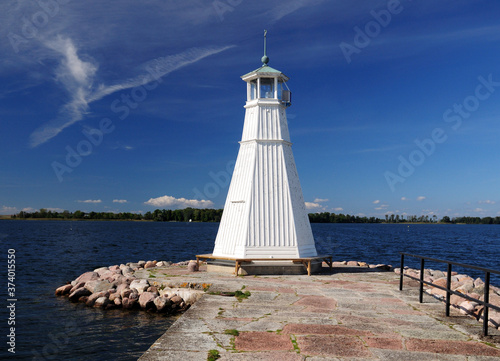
265	58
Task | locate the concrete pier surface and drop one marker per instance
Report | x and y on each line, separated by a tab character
349	313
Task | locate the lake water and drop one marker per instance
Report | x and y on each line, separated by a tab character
50	253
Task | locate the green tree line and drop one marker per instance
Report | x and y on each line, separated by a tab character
164	215
214	215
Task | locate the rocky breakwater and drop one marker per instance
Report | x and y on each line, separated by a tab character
463	284
118	287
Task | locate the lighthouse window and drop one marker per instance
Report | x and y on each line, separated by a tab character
253	89
267	88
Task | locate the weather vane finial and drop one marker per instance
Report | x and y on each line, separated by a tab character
265	58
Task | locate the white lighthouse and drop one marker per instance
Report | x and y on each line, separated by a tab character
264	214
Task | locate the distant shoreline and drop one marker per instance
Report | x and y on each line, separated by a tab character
8	218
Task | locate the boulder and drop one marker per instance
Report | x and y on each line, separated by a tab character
98	286
93	297
127	270
125	292
141	263
63	290
121	287
438	274
133	295
150	264
362	264
117	301
76	286
456	300
466	287
440	282
162	304
101	270
128	303
146	300
114	296
193	266
153	289
75	295
114	268
101	302
140	285
352	263
87	276
467	307
108	275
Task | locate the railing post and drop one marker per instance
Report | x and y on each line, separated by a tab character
486	300
402	271
448	288
421	291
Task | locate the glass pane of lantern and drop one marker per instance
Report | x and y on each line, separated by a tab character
267	88
253	89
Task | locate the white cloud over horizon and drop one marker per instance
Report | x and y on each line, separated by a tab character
120	201
95	201
169	201
320	200
313	206
421	198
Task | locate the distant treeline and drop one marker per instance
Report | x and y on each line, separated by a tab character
214	215
165	215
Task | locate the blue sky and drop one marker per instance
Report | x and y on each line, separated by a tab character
132	106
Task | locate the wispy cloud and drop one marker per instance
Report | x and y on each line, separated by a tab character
486	202
169	201
376	201
8	210
78	77
421	198
321	200
313	206
119	201
90	201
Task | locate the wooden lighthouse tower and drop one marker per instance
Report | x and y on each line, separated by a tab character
264	214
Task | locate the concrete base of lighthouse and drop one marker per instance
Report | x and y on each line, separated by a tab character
264	268
243	267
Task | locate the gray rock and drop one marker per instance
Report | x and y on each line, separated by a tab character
101	270
438	274
101	302
87	276
93	297
76	286
146	300
127	270
98	286
73	297
125	292
193	266
128	303
162	304
63	290
139	285
141	263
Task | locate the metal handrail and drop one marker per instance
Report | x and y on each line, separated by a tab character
448	289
